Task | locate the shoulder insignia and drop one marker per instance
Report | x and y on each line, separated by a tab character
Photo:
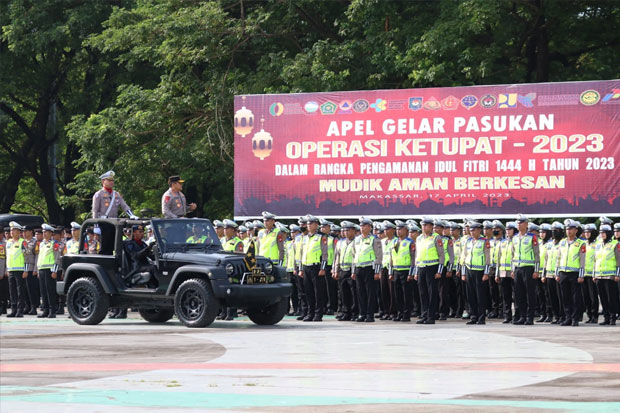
167	198
583	247
24	244
324	239
450	243
487	244
280	237
534	240
412	246
56	246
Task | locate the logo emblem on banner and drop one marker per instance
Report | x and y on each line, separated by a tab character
432	104
328	108
311	107
415	103
450	103
276	109
396	104
379	105
589	97
613	97
360	105
345	106
507	100
488	101
527	100
469	101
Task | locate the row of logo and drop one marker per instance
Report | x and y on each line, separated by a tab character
501	101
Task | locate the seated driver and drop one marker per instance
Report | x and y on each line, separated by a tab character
141	270
197	236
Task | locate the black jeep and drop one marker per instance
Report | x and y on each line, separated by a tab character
190	275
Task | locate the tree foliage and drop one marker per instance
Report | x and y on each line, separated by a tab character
145	87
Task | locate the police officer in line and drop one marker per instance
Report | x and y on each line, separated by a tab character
457	297
493	300
72	246
107	201
430	259
446	274
299	233
414	232
32	300
570	271
343	266
219	230
388	309
289	265
503	271
4	282
173	202
16	269
607	273
367	262
402	266
477	265
232	243
48	262
590	290
314	260
271	240
332	286
525	270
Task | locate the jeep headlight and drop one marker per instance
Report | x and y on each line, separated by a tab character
268	267
230	269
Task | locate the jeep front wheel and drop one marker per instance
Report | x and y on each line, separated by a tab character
156	315
269	315
87	303
195	304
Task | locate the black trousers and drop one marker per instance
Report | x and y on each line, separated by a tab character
477	293
402	293
294	302
332	289
590	296
608	290
301	293
5	301
495	302
366	291
348	292
316	289
571	294
552	289
34	294
47	285
525	291
541	297
415	297
17	291
507	286
429	291
387	302
444	293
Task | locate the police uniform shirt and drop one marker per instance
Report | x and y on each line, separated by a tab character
376	246
238	246
471	244
341	249
412	252
57	254
173	204
565	244
324	252
441	254
102	200
279	241
519	238
30	255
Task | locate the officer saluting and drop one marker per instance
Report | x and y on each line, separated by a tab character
173	203
106	201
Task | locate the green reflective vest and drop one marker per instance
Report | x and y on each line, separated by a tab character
474	254
47	257
330	250
15	260
426	248
401	256
311	249
551	252
388	244
605	264
445	240
590	248
200	240
231	244
569	255
505	254
523	253
365	253
269	245
289	255
73	246
345	257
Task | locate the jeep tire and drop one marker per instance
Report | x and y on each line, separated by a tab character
87	303
195	304
269	315
156	315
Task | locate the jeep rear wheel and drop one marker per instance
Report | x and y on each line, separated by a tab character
195	304
156	315
269	315
87	303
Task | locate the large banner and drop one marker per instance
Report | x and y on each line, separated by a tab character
549	149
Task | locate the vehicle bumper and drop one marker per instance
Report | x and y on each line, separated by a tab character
248	296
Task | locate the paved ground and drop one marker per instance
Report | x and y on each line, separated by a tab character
133	366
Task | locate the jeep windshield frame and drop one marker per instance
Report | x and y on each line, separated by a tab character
185	234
